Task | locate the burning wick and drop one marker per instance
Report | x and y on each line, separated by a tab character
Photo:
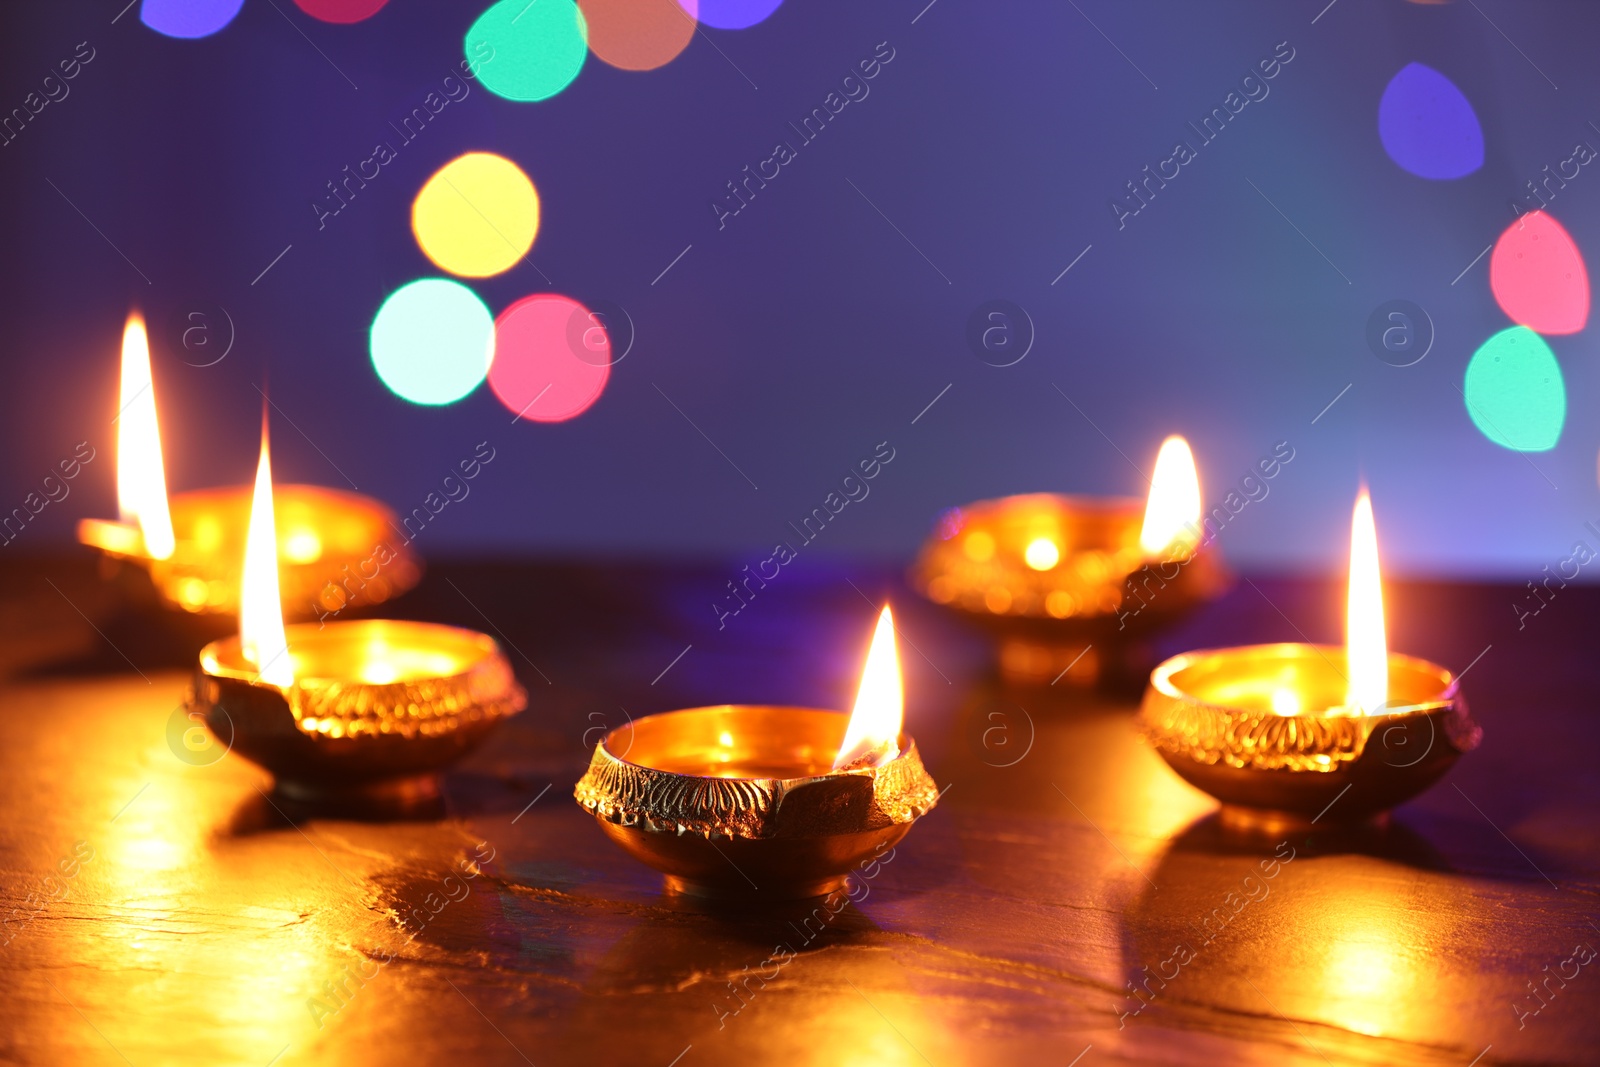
1366	644
1172	511
873	735
260	611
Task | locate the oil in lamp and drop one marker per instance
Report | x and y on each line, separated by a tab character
760	802
1303	730
364	710
1063	579
192	545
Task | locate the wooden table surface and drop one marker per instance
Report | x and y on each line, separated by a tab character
161	909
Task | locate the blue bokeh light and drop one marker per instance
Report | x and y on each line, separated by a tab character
1428	126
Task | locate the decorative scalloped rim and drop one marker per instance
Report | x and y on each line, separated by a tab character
668	802
1181	725
427	707
1204	733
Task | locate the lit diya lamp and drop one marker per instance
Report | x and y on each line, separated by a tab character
762	802
1312	730
367	709
334	548
1063	578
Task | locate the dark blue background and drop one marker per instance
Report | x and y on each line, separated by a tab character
808	329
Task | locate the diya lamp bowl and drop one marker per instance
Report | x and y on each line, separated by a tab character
335	547
742	802
191	544
376	707
1232	722
1061	581
763	802
1287	732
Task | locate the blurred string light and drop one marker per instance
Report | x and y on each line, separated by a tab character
639	34
731	14
432	341
1428	126
1514	391
188	19
1538	277
476	216
552	358
343	11
538	47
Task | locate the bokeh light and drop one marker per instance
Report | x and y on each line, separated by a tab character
1514	391
551	360
1428	126
477	215
188	18
639	34
341	10
536	48
1538	277
730	14
432	341
1041	554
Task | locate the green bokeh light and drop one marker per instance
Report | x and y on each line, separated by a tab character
432	341
1514	391
528	51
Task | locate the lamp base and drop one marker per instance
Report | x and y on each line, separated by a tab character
677	885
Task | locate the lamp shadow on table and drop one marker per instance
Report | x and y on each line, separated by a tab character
683	941
273	810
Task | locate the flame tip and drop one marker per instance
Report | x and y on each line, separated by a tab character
1173	509
872	736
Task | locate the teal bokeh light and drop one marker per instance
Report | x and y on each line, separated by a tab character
432	341
528	51
1514	391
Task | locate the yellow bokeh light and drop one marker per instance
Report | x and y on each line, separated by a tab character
302	546
978	546
477	216
1041	554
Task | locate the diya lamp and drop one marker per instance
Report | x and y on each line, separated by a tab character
760	802
364	710
1065	581
191	543
1290	732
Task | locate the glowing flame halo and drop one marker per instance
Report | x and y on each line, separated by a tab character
1172	513
1366	644
141	478
261	636
873	736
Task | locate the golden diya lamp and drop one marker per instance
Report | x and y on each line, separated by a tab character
369	709
1302	731
759	802
333	547
1065	580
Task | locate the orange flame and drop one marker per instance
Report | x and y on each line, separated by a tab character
873	736
1366	645
1172	514
141	479
261	635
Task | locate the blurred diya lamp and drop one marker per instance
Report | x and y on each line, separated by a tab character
1286	733
333	547
1064	579
764	803
364	710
